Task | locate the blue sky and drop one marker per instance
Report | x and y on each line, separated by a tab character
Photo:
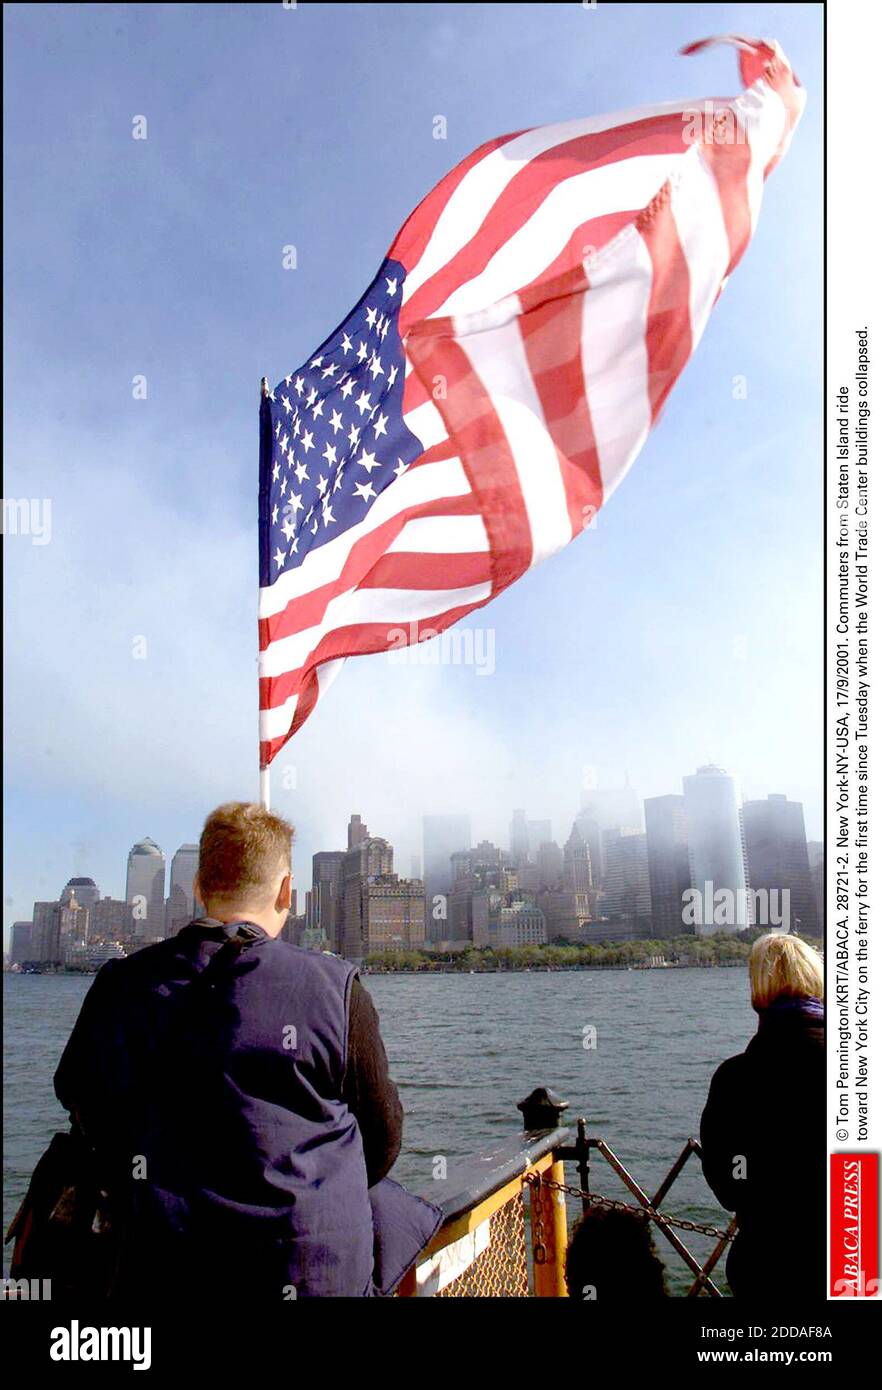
685	628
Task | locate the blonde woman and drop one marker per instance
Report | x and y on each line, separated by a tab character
763	1134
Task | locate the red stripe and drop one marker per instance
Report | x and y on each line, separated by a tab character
414	570
475	429
730	165
357	639
552	336
668	329
527	191
306	610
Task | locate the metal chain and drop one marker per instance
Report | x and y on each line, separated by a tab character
682	1224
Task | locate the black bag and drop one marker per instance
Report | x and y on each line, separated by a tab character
65	1230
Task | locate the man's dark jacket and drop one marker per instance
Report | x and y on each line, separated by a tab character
766	1107
242	1106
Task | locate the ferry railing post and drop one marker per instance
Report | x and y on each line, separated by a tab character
542	1109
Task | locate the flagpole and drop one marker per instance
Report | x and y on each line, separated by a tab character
264	771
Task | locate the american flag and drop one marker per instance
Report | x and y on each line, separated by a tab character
493	386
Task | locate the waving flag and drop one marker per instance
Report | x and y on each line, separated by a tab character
500	375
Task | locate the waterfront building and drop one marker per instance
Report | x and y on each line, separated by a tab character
85	890
182	905
717	860
626	881
443	836
145	889
21	943
778	863
110	920
667	851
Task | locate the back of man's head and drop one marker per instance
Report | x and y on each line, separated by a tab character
244	854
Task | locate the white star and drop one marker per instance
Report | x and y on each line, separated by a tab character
354	436
392	286
289	531
283	443
347	386
368	461
371	317
322	486
287	381
314	527
393	372
316	362
298	386
364	402
330	454
362	352
365	490
276	471
313	395
338	481
328	516
301	472
380	425
307	441
329	371
317	409
385	329
287	404
279	558
401	467
275	515
336	421
347	343
294	545
376	367
294	504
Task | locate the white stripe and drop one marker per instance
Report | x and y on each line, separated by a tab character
701	228
499	358
324	564
626	185
426	423
474	197
765	117
359	606
397	607
614	358
442	535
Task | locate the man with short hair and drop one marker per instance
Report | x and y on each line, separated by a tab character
236	1091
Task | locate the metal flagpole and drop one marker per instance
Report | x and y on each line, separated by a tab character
264	771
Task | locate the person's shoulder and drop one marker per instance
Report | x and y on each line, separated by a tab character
284	955
731	1071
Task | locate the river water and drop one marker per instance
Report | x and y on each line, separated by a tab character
464	1049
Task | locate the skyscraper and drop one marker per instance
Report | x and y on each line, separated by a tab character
626	884
717	863
519	841
380	910
816	867
778	862
607	808
324	912
443	836
85	890
538	833
145	889
577	876
667	851
182	906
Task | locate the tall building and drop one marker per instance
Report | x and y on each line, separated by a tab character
717	861
576	877
380	911
145	889
626	883
778	863
85	890
549	864
443	836
538	833
182	906
55	926
519	841
667	852
324	911
110	920
607	808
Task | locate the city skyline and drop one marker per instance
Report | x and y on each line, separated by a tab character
627	844
671	633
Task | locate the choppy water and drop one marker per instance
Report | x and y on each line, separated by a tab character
464	1050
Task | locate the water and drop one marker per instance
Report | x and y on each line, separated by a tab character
464	1049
